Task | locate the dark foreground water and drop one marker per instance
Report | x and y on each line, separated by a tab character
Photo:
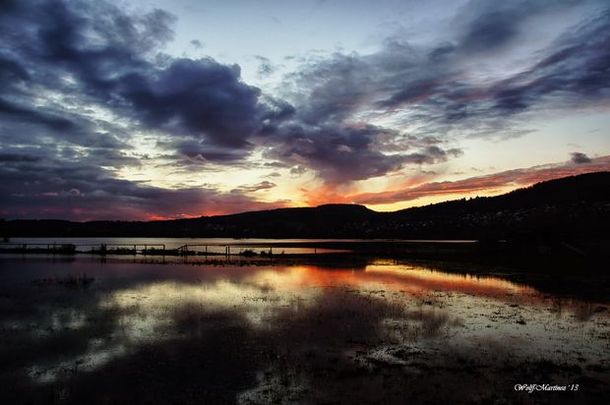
81	330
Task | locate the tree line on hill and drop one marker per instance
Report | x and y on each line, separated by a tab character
570	207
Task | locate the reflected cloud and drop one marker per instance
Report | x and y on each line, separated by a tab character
418	280
279	331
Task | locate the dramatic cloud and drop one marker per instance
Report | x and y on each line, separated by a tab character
486	26
439	89
497	181
90	94
263	185
200	98
580	158
50	189
434	91
98	54
78	78
325	133
338	154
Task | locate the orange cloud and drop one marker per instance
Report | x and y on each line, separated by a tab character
492	182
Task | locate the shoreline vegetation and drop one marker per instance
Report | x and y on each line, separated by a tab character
560	223
536	251
567	208
556	269
513	288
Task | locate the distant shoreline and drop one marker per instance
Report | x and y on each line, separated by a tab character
566	209
538	256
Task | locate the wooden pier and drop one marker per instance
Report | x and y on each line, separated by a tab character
146	249
261	249
72	248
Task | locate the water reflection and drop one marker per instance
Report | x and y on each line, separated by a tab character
285	333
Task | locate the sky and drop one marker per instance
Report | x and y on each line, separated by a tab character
159	109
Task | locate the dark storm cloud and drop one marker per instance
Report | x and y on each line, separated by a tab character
572	73
79	78
331	90
11	71
433	88
197	43
98	54
580	158
487	26
263	185
63	62
198	150
55	123
322	134
341	153
430	88
432	154
95	54
36	188
41	103
17	157
197	97
328	90
489	32
298	170
275	164
338	154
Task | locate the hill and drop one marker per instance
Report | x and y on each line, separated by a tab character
577	206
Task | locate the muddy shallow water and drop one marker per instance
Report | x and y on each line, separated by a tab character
81	330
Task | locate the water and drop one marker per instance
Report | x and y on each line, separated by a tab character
216	245
90	330
170	243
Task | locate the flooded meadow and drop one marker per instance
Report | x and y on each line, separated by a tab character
134	330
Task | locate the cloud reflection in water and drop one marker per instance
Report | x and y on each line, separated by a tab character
257	324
